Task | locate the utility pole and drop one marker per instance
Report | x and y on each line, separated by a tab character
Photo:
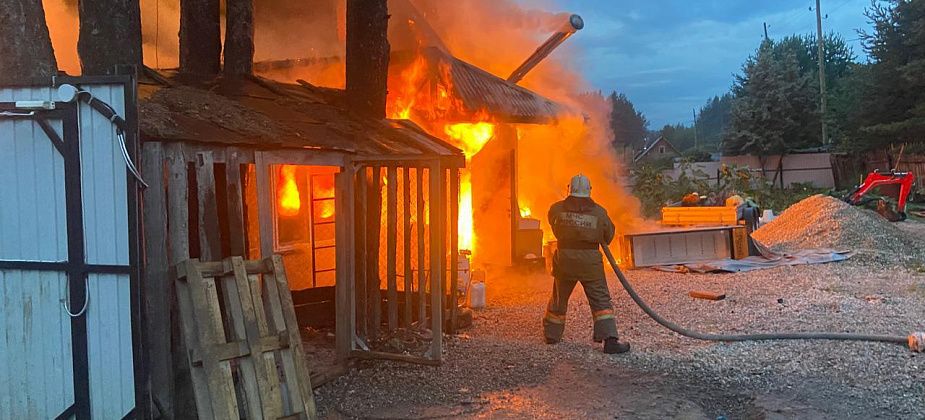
822	89
696	140
766	32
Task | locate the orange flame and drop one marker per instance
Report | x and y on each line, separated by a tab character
289	201
403	97
525	212
471	138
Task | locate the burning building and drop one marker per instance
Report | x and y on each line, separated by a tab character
509	133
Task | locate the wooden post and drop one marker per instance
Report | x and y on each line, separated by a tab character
454	247
437	237
373	226
406	228
210	243
178	245
235	203
422	262
391	227
157	284
360	217
344	285
264	204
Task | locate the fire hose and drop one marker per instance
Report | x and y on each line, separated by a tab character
915	341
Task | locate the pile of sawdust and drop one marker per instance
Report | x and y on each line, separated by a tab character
826	222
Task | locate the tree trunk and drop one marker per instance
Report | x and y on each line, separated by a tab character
26	54
367	56
200	37
110	35
239	37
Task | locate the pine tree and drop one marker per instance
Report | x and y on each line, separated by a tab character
893	104
629	125
774	104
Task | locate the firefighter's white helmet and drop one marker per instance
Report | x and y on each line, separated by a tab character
580	186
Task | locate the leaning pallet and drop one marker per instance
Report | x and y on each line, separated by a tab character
264	354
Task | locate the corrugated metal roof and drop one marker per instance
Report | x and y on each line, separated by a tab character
267	114
503	100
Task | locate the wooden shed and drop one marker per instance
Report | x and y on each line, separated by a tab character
363	212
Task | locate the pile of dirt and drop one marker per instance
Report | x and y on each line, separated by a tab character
825	222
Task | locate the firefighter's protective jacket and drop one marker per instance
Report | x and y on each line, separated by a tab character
579	225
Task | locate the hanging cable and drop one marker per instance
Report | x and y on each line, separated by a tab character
107	111
67	301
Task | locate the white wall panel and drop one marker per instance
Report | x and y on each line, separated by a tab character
109	343
36	371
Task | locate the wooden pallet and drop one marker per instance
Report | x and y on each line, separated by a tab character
260	371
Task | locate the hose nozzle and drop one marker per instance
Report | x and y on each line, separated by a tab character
917	342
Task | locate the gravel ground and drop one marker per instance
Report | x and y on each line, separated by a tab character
825	222
501	368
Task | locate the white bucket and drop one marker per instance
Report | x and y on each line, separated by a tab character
767	216
477	296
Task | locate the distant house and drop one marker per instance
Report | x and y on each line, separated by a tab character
656	150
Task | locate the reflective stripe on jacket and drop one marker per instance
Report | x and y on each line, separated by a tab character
579	225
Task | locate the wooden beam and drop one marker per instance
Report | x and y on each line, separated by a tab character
437	237
282	317
406	245
422	262
235	200
378	355
178	251
360	219
210	243
308	157
344	285
157	284
264	204
706	295
373	227
454	248
391	233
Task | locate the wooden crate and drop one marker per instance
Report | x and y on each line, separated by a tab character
699	216
260	371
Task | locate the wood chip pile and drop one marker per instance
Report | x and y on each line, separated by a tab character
825	222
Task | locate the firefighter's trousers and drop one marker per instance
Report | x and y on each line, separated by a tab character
605	326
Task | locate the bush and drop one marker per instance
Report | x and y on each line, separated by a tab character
656	190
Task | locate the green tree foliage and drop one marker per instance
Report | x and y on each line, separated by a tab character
713	120
629	125
775	108
892	102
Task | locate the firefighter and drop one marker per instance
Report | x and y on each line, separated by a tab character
580	226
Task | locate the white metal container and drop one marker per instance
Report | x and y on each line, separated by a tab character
477	296
464	273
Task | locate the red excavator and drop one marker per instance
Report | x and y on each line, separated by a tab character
875	179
